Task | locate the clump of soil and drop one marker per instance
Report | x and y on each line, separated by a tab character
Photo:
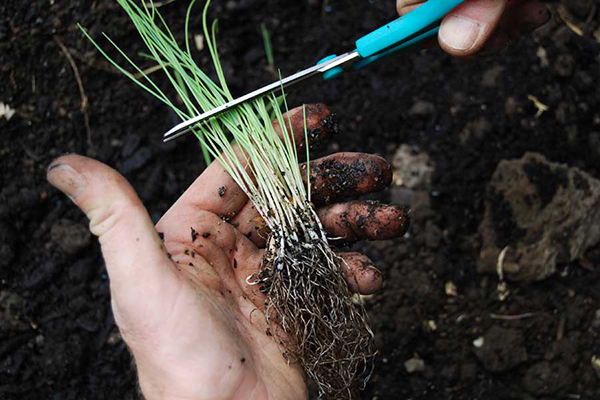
543	213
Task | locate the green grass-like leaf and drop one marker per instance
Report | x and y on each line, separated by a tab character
277	187
268	47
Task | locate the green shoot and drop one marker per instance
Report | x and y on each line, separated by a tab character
249	125
268	49
305	286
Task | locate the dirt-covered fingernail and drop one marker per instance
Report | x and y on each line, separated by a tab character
460	33
66	179
371	280
368	278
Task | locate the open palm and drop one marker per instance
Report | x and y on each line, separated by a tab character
179	294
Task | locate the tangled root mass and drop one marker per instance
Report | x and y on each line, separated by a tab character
322	328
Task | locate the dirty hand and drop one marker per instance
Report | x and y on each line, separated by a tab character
487	25
195	328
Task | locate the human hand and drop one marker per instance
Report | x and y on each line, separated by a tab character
195	328
487	25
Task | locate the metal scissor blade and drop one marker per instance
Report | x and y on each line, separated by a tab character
338	61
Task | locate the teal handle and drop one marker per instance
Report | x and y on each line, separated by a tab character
402	28
332	73
402	47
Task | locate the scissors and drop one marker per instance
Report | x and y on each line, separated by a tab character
400	34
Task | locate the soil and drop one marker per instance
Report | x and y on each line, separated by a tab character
436	316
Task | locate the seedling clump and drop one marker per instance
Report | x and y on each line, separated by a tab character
308	305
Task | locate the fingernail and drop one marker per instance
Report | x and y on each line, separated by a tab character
67	180
460	33
373	269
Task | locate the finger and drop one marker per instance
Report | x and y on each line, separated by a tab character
520	18
406	6
466	29
524	16
136	261
216	191
334	177
360	273
344	175
359	220
320	123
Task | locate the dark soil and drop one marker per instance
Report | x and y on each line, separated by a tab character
57	335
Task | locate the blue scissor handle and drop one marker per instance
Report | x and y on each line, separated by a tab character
384	41
404	46
404	27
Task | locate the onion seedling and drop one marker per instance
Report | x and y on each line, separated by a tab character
268	49
308	304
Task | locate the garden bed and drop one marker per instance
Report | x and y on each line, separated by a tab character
57	334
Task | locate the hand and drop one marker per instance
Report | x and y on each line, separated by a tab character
195	328
487	25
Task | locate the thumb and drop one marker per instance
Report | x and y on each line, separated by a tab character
466	29
135	258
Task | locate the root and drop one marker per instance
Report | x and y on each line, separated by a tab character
84	99
308	297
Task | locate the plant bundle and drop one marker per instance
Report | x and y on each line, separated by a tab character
308	301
